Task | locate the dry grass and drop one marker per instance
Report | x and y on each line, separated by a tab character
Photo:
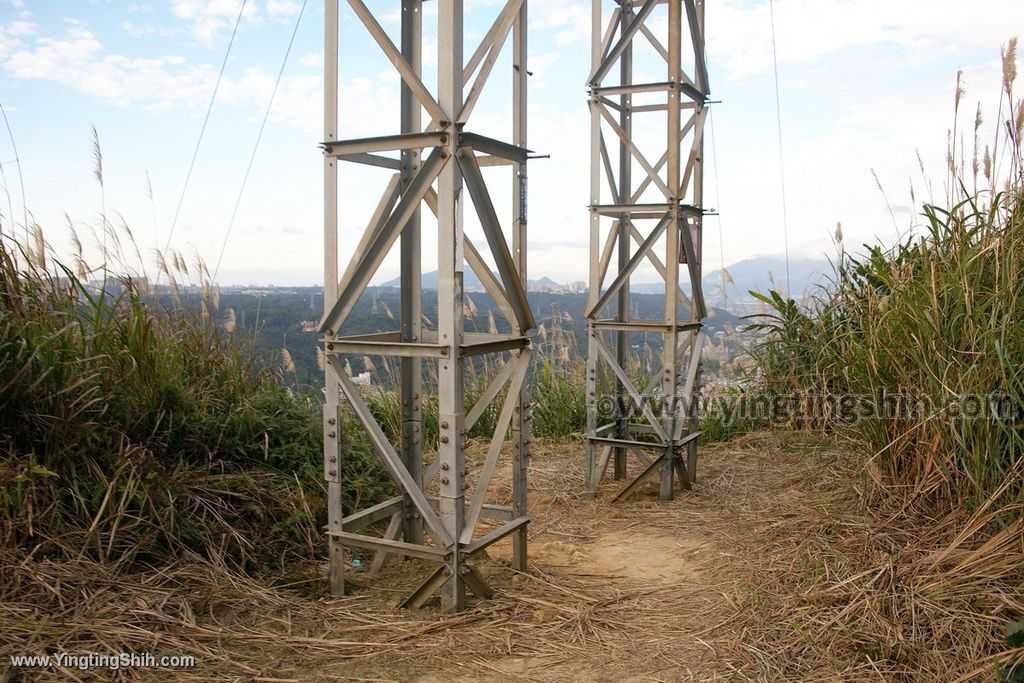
841	591
771	569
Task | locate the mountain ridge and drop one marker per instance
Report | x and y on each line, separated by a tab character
760	274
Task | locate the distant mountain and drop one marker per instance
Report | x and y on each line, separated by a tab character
470	282
758	274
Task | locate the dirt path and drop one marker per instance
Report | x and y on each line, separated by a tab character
771	569
636	591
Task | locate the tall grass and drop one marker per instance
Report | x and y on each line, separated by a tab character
131	432
927	333
933	319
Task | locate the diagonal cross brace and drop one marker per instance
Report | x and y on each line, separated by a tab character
438	578
489	393
655	380
476	504
488	40
490	283
369	261
606	253
609	32
691	263
691	379
684	80
497	36
495	239
408	74
597	476
690	122
628	384
392	462
628	142
699	116
698	46
653	467
608	172
634	261
657	263
384	208
624	40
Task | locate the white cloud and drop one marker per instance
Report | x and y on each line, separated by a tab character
78	60
137	30
864	84
558	13
739	33
13	34
208	17
542	66
569	18
282	9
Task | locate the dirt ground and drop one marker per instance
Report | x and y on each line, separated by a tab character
632	591
750	576
773	568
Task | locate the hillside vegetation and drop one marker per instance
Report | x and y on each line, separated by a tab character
913	355
130	433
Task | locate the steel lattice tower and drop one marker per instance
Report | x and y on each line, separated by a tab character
656	205
437	165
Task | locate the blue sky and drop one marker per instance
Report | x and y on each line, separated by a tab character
866	84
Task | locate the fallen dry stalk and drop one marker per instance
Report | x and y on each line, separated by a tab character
791	579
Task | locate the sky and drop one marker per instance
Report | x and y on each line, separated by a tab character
866	88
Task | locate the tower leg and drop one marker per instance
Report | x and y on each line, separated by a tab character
625	189
593	474
450	324
521	419
411	282
336	552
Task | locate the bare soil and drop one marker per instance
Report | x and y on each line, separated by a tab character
634	591
771	569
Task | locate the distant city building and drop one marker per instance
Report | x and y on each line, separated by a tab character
548	285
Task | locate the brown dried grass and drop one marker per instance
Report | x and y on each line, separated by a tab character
792	578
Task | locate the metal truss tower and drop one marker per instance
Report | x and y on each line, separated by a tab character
436	162
656	203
